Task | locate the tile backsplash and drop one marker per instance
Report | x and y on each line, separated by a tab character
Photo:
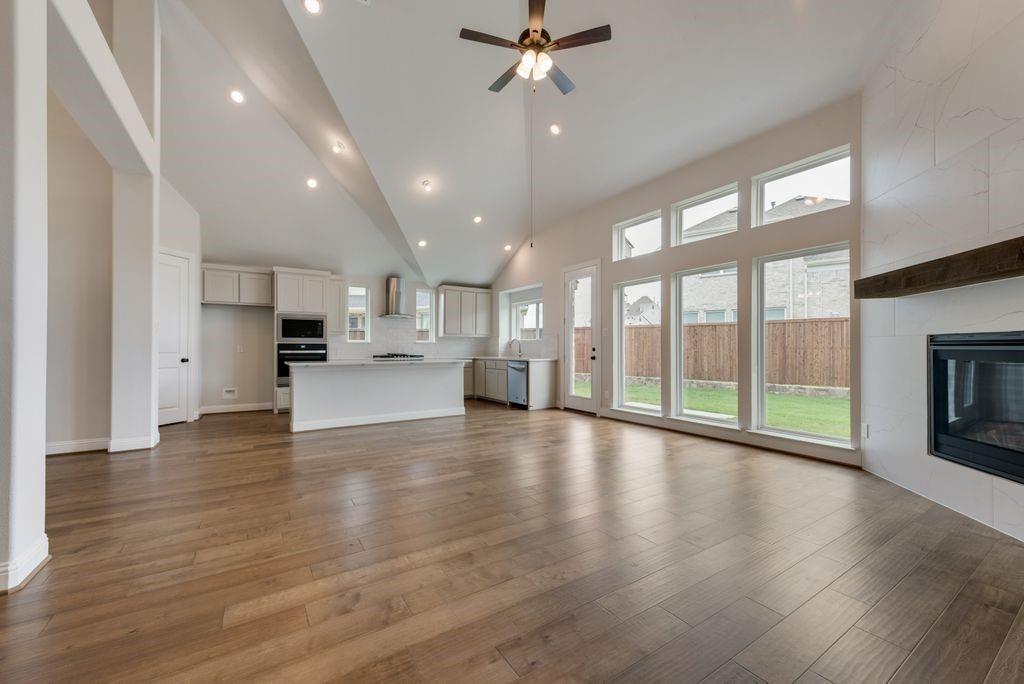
399	335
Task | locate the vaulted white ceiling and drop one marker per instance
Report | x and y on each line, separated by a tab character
680	79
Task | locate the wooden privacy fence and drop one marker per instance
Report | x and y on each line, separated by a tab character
813	351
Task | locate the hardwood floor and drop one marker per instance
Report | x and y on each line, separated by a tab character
503	545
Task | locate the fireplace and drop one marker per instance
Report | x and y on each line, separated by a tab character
976	401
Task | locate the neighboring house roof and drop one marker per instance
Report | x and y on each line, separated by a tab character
639	310
798	206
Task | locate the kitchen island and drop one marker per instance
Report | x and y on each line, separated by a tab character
364	392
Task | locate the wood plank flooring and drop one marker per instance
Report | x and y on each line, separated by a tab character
503	545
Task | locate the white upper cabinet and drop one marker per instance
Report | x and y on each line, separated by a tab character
452	312
255	289
314	294
297	291
467	311
288	292
483	314
219	286
467	322
335	307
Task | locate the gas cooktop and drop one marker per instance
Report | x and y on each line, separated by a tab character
397	357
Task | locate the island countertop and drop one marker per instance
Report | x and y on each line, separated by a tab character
371	362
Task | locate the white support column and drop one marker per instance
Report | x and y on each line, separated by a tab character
23	544
136	240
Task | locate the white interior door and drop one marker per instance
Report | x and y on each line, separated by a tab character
172	338
582	379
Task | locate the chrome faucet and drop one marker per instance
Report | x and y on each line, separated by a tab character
519	343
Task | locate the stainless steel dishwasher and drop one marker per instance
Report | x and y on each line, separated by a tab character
517	383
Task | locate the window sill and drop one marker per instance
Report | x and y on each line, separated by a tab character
639	411
806	439
706	421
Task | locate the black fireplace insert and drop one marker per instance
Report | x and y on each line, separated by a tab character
976	401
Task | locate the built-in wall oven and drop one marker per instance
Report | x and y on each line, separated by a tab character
301	328
297	353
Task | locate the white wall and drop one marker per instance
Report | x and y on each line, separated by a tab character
180	231
78	315
588	236
237	351
943	172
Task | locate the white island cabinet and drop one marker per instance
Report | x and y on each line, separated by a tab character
363	392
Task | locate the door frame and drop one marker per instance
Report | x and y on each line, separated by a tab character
596	337
194	379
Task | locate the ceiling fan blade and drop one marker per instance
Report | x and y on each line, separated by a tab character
536	18
588	37
470	34
504	79
563	82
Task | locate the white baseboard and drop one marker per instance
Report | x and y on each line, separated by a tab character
75	446
307	425
132	443
235	408
15	571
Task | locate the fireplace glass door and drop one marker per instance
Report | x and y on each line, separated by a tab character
977	401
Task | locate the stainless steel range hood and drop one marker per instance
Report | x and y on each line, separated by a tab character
394	298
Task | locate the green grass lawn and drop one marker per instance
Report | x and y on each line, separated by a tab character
827	416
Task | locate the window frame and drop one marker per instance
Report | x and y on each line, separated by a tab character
366	315
618	350
678	355
805	164
432	325
514	330
619	234
677	209
757	402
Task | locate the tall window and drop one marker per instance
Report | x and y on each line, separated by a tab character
527	320
805	343
424	315
806	187
639	345
706	386
641	235
358	313
705	216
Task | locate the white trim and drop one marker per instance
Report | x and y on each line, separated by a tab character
302	271
227	267
132	443
194	322
677	209
307	425
15	571
568	347
619	231
235	408
75	446
805	164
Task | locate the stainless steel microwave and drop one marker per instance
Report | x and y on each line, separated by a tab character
300	328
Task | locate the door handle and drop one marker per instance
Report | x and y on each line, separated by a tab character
184	360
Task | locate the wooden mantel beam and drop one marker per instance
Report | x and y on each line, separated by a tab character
991	262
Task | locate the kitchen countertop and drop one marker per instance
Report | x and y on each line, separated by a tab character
510	358
371	362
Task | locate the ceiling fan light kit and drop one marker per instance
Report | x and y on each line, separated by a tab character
534	44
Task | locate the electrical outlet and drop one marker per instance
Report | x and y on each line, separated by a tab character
607	395
240	349
604	332
229	393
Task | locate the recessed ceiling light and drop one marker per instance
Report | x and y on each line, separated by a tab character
426	185
313	6
237	96
478	219
508	248
312	183
422	243
556	129
338	147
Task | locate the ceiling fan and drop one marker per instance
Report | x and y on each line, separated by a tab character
534	44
